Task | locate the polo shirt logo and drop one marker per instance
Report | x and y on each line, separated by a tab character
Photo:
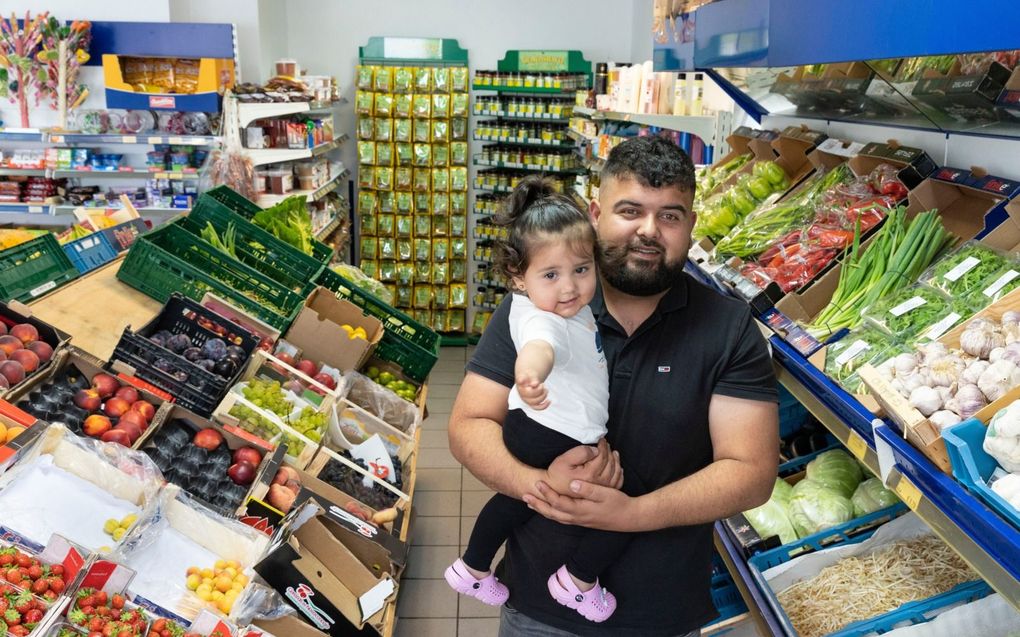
664	369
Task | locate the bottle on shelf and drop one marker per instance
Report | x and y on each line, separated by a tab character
680	95
696	94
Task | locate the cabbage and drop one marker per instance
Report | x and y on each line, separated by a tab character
871	496
814	507
836	470
771	518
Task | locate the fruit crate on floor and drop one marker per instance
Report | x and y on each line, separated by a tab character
227	200
168	260
88	253
193	386
33	268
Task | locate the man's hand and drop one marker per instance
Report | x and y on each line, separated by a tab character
588	505
532	390
598	465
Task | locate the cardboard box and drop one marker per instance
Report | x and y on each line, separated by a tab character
214	76
1009	98
333	577
964	97
317	329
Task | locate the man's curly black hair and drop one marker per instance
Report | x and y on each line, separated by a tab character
654	161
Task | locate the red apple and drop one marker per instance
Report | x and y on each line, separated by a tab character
118	436
307	367
135	417
208	438
128	393
13	371
145	408
25	332
325	379
42	349
10	344
27	358
105	384
87	399
96	425
242	473
249	455
286	358
116	407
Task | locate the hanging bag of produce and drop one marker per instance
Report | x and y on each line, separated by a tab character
231	166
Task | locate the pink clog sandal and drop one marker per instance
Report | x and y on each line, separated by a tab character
487	590
596	605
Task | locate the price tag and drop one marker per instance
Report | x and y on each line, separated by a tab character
856	445
35	209
937	330
129	139
963	267
909	493
155	140
1000	283
176	140
852	352
906	306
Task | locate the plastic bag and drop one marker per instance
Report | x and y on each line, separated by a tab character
440	155
403	80
363	280
364	77
380	401
963	270
913	311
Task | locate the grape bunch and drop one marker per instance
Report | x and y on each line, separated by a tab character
269	395
350	482
311	424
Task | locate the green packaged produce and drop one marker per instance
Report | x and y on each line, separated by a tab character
366	128
387	248
422	179
962	271
440	180
405	274
405	249
440	130
911	311
405	202
459	153
402	130
386	202
847	355
369	247
403	80
421	106
404	226
383	154
366	153
440	105
383	129
422	272
364	103
363	77
383	79
403	178
422	249
441	79
402	105
441	297
405	154
440	273
459	79
383	105
387	225
387	271
422	79
440	155
440	204
422	226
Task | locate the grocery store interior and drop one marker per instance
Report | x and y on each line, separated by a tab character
249	250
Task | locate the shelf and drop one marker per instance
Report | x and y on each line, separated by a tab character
533	90
328	229
21	136
490	283
72	139
126	174
263	156
486	306
595	164
757	604
982	538
522	141
311	195
579	137
702	126
496	189
544	117
532	167
26	208
22	172
251	111
156	212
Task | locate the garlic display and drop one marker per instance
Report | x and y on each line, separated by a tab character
932	352
981	323
913	381
926	400
996	354
995	381
904	363
899	388
980	341
945	418
974	371
969	400
1010	317
1012	353
945	371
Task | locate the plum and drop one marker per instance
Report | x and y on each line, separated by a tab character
207	365
178	343
235	351
215	349
163	365
225	368
181	375
158	340
193	354
164	334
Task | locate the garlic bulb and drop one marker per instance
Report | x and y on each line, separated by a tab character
945	393
974	371
980	342
945	371
904	363
926	400
897	384
933	352
970	400
1010	317
944	418
981	323
887	369
1012	353
1011	333
952	405
996	354
996	380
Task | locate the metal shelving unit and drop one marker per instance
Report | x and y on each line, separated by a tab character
263	156
311	195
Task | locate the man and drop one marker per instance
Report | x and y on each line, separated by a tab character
692	412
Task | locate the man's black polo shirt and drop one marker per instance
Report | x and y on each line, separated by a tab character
697	343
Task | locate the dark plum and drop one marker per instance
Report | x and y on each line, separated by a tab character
192	354
163	365
181	376
178	343
207	365
158	340
236	351
225	368
215	349
164	334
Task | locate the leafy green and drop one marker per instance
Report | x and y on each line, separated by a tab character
226	243
910	311
871	496
288	221
772	518
835	470
953	276
814	507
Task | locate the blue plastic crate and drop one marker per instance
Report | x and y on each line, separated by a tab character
726	598
88	253
973	467
792	414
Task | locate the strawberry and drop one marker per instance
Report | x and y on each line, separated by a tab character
19	631
108	630
40	586
8	556
13	576
159	625
95	633
12	617
77	617
24	603
50	595
56	584
57	569
33	616
96	623
23	560
126	632
88	610
35	571
117	601
101	598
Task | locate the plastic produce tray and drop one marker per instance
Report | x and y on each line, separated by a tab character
973	467
33	268
88	253
726	597
169	260
202	390
227	200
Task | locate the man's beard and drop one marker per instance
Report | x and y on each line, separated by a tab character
645	278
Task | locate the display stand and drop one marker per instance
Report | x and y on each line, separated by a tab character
412	213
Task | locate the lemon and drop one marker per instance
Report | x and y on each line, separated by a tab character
119	533
236	586
193	582
207	573
224	606
234	564
241	579
347	328
110	526
223	583
230	572
205	594
385	378
360	333
129	519
216	596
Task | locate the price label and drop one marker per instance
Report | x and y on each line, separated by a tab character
57	139
1000	283
908	492
937	330
906	306
962	268
129	139
176	140
856	445
155	140
35	209
852	352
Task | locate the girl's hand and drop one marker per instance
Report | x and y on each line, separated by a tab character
532	391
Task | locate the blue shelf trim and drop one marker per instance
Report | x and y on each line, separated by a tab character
793	32
748	105
744	573
845	406
164	39
995	536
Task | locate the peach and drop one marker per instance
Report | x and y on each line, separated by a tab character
42	349
10	344
105	384
87	399
13	371
25	332
96	425
27	358
116	407
144	408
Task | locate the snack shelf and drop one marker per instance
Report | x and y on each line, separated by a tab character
312	195
71	139
250	111
700	125
540	90
543	117
758	606
22	172
519	166
140	173
263	156
521	141
987	542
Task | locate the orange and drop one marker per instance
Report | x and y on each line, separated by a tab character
13	432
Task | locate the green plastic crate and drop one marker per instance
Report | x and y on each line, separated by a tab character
33	268
226	199
415	362
169	259
257	248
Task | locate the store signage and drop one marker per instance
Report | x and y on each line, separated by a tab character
413	48
162	101
542	60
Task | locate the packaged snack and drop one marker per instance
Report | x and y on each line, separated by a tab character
458	203
422	316
369	247
363	77
404	225
387	271
404	295
383	178
458	154
440	225
423	272
422	154
387	248
383	79
459	179
402	130
440	273
421	105
422	79
386	202
440	297
369	224
441	181
440	155
364	103
136	71
402	105
422	179
422	130
186	75
459	105
402	178
459	79
366	176
440	249
383	129
367	202
366	152
423	297
440	203
387	225
383	105
391	288
458	295
458	271
405	154
370	268
440	130
422	203
439	321
405	249
459	129
366	128
441	79
162	74
384	154
458	226
422	226
405	202
422	249
458	319
403	80
440	105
